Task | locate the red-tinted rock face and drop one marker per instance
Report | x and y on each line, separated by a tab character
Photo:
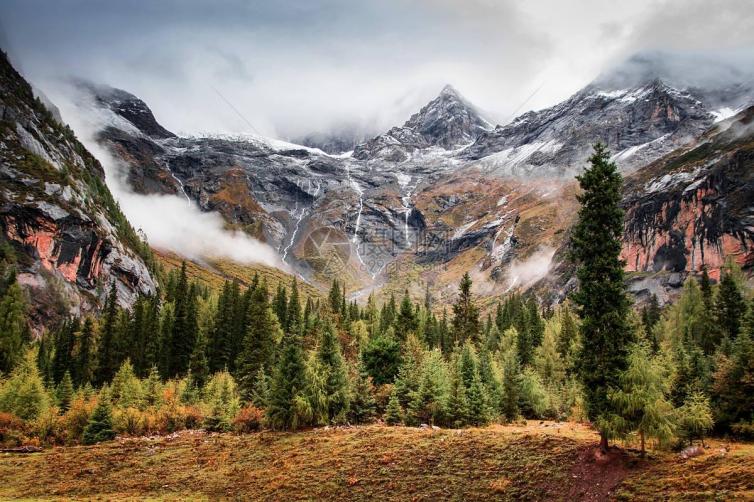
698	213
58	248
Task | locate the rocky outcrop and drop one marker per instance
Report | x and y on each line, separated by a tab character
695	208
128	107
448	122
56	211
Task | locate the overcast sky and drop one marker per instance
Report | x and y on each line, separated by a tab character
290	67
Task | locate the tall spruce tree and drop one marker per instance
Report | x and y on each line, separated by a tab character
336	389
511	385
198	364
428	403
185	326
13	327
100	425
107	363
730	306
259	345
466	323
219	347
393	412
293	318
288	406
406	322
65	339
85	364
569	334
64	392
458	402
363	406
601	297
280	306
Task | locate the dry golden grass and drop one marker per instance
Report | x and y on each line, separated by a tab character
214	273
537	461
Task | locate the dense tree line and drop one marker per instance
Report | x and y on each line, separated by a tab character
248	356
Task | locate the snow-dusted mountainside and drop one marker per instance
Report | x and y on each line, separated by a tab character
444	192
642	109
280	192
448	122
639	124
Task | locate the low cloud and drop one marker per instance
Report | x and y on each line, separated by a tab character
169	222
524	273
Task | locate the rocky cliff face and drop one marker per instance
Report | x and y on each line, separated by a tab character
695	207
57	212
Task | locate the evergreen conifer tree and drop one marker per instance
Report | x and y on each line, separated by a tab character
85	364
407	381
393	412
479	412
260	395
185	326
428	402
334	297
511	384
198	364
107	357
490	380
336	375
363	406
730	306
64	345
65	392
406	322
219	348
458	403
602	300
260	342
13	327
293	318
569	333
280	306
465	313
288	406
100	425
382	358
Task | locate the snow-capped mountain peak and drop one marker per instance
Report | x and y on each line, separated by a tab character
449	121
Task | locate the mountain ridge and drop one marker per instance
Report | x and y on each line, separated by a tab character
400	187
70	237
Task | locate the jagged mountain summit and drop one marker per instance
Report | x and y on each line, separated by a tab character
56	211
448	122
638	124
